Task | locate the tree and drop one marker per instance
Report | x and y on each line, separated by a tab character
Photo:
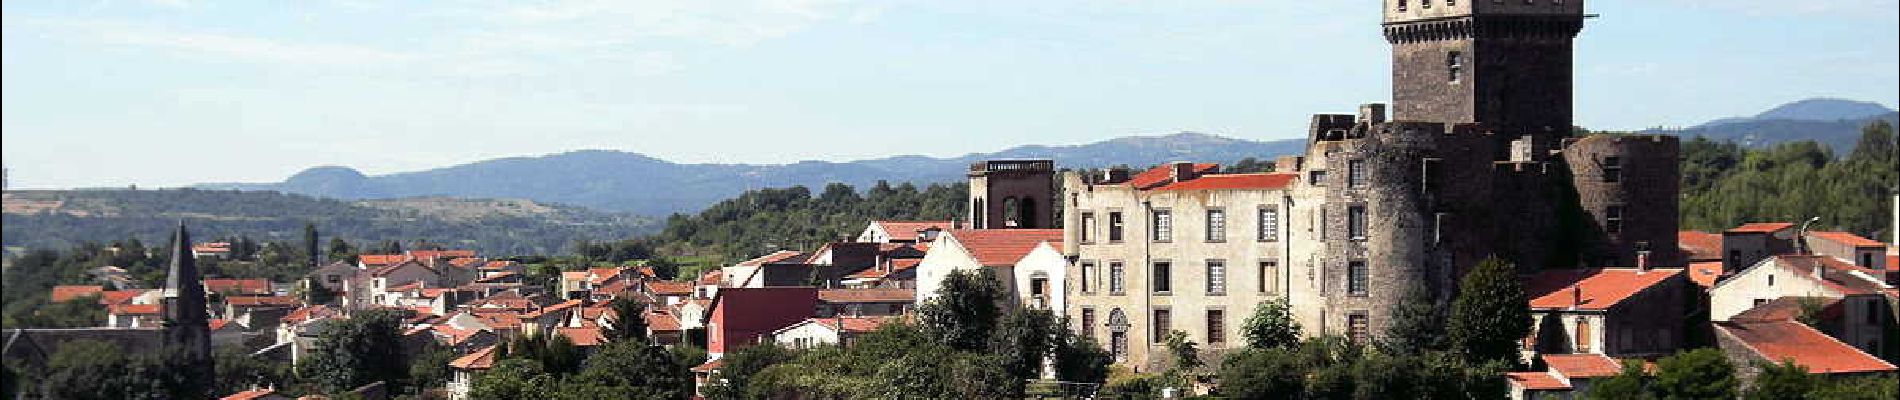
310	244
1262	373
430	368
561	357
1184	355
1877	387
1418	324
1271	326
239	371
739	366
356	352
1783	381
1696	374
341	250
964	311
1631	383
88	369
637	370
512	380
1491	313
630	323
1080	359
1023	340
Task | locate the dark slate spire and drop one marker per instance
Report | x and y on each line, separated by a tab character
187	325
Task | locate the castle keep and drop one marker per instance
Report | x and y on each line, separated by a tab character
1478	159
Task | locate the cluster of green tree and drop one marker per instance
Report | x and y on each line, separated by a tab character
761	221
26	286
1724	184
1707	374
89	369
102	215
963	345
628	366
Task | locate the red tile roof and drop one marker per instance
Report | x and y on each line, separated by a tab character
1835	276
1602	288
1760	227
380	259
427	254
1792	341
602	275
217	324
252	394
780	256
1701	246
662	321
712	277
877	295
666	288
1536	381
909	229
111	297
308	313
133	309
63	293
498	276
1234	181
478	360
464	262
1848	239
1582	365
853	324
497	264
1705	273
584	337
1003	247
237	286
392	268
710	366
1163	174
1782	309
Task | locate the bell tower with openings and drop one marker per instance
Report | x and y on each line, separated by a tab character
1505	64
1012	194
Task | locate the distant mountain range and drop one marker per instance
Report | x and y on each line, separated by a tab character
636	183
630	182
1833	122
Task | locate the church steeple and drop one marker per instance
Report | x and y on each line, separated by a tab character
187	324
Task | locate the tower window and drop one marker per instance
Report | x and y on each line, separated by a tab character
1356	173
1216	277
1088	272
1268	270
1216	326
1357	327
1356	278
1613	169
1356	222
1161	329
1269	225
1163	226
1455	65
1613	219
1012	212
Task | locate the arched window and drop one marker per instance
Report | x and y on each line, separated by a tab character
1012	212
1118	334
1026	213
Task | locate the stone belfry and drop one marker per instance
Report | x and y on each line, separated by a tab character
187	325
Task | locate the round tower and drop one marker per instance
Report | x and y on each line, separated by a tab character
1627	186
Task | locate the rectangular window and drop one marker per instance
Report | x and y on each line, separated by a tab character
1216	277
1428	175
1216	226
1114	226
1269	271
1455	66
1356	222
1612	169
1356	278
1161	328
1583	335
1357	327
1161	278
1088	323
1163	226
1356	173
1116	284
1088	271
1322	223
1269	225
1316	177
1088	227
1613	219
1216	327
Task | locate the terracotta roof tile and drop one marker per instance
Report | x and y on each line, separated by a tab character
1705	273
261	301
63	293
478	360
1836	275
1847	239
1161	175
662	321
1760	227
710	366
665	288
308	313
1536	381
237	286
1792	341
584	337
380	259
774	258
909	229
252	394
1002	247
1602	288
1234	181
497	265
712	277
854	324
1701	246
111	297
217	324
133	309
877	295
428	254
464	262
1781	309
1582	365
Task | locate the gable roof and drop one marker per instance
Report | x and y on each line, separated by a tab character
1847	239
872	295
392	268
661	321
1234	181
380	259
1836	274
261	301
1792	341
908	229
1163	174
584	337
63	293
1786	308
111	297
1601	288
1536	381
238	286
477	360
427	254
300	315
667	288
1760	227
776	257
1705	273
1003	247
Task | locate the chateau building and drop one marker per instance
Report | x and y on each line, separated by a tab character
1479	159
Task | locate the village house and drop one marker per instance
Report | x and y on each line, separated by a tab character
1027	263
1618	312
1566	376
865	302
903	231
781	268
1865	305
466	368
238	287
826	331
739	316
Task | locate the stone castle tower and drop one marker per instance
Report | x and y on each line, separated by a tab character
187	329
1012	194
1505	64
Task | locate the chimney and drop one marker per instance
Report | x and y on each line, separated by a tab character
1576	295
1183	171
1642	261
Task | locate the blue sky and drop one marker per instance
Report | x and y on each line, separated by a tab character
164	93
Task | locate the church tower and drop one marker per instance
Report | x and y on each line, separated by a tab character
1013	194
187	326
1503	63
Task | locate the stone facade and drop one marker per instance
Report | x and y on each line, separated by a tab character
1012	194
